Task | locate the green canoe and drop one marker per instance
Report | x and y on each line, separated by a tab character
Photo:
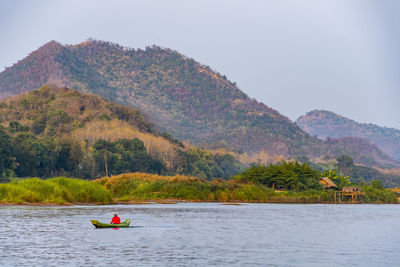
98	224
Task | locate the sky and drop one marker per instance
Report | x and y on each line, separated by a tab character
294	56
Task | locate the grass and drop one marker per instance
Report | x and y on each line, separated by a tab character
126	187
59	190
141	187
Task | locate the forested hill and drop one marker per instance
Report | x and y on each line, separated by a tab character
328	124
62	111
60	131
183	97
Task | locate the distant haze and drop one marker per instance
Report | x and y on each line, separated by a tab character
294	56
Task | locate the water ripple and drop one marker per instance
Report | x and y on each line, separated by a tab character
199	234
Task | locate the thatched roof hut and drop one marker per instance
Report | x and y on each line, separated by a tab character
327	183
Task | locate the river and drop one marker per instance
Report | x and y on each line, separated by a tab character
199	234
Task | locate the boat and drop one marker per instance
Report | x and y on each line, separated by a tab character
98	224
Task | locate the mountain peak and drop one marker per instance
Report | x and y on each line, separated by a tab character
319	113
46	51
52	45
328	124
38	68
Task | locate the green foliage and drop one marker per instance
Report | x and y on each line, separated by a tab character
39	124
376	193
58	117
203	164
288	176
56	190
377	184
339	179
145	186
30	155
7	159
124	156
34	157
172	140
15	127
362	174
345	163
63	190
69	156
45	157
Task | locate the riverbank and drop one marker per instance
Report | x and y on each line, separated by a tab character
143	188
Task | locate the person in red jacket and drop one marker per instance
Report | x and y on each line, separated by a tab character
115	219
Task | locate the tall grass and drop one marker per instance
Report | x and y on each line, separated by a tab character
132	186
152	186
59	190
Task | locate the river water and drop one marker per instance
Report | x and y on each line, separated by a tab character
198	234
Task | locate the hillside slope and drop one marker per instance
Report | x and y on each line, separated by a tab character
53	110
183	97
62	112
60	131
328	124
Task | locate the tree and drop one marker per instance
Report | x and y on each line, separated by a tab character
228	164
307	176
34	157
7	160
124	155
345	163
69	156
339	179
15	127
377	184
290	176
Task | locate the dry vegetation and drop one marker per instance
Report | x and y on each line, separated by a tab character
115	129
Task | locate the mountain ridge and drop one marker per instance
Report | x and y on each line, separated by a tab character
183	97
188	98
325	124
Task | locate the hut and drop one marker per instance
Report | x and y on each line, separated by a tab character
351	194
396	190
327	183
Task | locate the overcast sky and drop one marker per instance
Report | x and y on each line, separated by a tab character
294	56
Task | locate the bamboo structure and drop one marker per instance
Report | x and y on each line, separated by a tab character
348	195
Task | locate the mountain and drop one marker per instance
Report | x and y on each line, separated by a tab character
328	124
183	97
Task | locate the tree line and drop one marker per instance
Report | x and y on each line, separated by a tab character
297	176
24	154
